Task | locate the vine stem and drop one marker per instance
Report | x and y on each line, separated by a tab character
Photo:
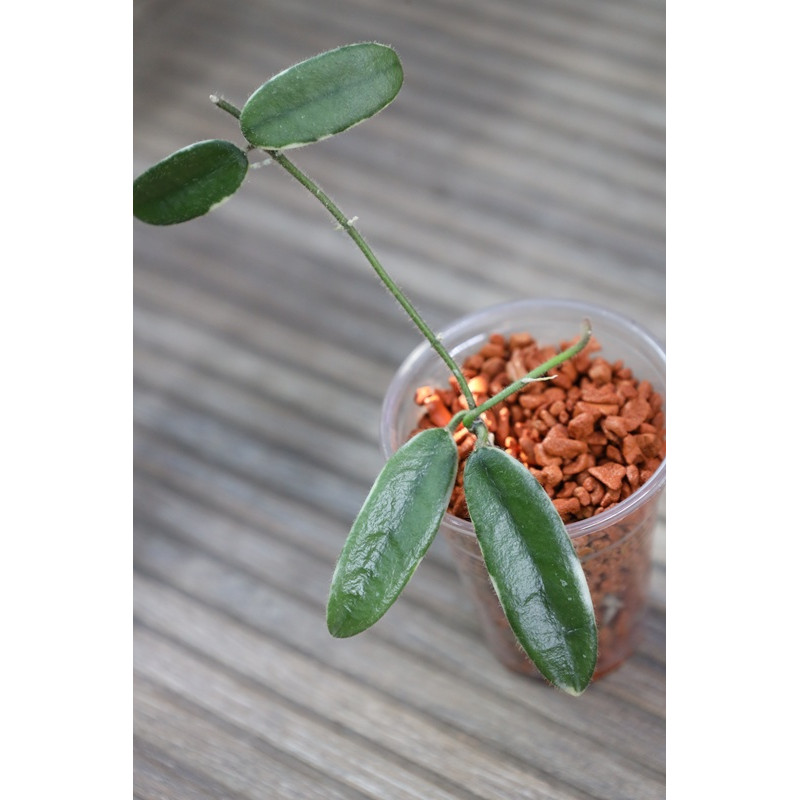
347	225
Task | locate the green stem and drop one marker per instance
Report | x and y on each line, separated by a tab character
473	414
347	225
455	421
482	432
225	106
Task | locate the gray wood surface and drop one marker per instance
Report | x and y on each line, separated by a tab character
523	157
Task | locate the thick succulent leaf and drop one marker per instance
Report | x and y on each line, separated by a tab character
392	532
189	183
324	95
533	566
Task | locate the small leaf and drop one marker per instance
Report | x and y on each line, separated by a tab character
534	568
321	96
392	532
189	183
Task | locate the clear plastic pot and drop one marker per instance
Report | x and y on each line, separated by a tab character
616	546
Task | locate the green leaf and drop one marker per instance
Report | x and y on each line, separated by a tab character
324	95
534	568
189	183
392	532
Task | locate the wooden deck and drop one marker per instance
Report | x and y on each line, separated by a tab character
523	157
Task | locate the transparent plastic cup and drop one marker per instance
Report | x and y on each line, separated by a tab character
615	547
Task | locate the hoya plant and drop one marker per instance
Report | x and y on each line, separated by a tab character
529	556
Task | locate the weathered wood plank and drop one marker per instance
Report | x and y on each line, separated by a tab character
234	760
287	727
531	763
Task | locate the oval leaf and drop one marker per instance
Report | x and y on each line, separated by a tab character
392	532
324	95
534	568
189	183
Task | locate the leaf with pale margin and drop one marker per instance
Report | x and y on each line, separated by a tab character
536	573
189	183
322	96
392	532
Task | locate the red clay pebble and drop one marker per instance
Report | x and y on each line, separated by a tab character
610	474
635	412
631	451
567	506
581	426
616	426
556	443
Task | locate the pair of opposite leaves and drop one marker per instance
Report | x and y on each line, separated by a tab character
310	101
530	559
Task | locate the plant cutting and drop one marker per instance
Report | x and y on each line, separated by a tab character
532	563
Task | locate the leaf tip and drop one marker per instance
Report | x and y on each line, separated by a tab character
574	691
341	624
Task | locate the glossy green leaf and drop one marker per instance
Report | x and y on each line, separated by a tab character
533	566
392	532
324	95
189	183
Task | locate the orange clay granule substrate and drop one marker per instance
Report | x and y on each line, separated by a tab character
591	435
